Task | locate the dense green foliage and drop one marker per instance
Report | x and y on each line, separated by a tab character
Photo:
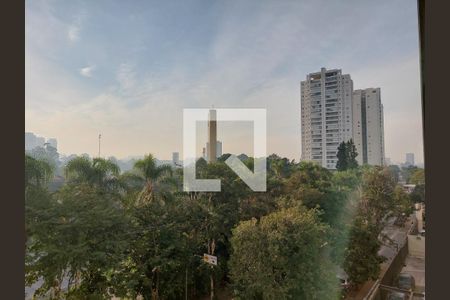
136	233
281	257
346	156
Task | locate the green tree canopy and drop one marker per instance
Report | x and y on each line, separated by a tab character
97	172
280	257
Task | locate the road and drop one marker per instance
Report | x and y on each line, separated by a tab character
397	235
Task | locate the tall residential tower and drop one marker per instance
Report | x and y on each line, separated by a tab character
368	126
326	115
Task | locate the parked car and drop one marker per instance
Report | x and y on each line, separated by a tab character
406	281
397	296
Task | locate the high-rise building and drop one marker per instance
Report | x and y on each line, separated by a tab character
409	159
32	141
326	115
176	158
211	148
368	126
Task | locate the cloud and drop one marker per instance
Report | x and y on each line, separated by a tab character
249	55
126	76
73	33
87	71
74	29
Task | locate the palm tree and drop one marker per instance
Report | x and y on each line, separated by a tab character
37	172
155	179
99	172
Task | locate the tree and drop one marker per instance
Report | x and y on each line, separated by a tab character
37	172
97	172
137	233
280	257
156	179
48	154
156	256
342	163
395	170
376	203
37	175
346	156
351	155
362	261
407	173
418	194
418	177
312	185
402	203
80	235
377	197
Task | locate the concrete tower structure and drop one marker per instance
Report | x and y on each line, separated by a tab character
211	150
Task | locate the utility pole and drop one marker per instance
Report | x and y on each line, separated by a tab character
99	137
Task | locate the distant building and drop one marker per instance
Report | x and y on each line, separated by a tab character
219	149
204	153
409	159
176	158
368	126
387	161
326	115
53	142
32	141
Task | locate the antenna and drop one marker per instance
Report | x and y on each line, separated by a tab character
99	137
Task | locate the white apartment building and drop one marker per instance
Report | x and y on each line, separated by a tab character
326	115
368	126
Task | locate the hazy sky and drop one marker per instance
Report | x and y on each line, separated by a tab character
126	69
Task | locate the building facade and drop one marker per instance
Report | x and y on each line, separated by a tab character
368	126
409	159
211	146
175	158
326	115
32	141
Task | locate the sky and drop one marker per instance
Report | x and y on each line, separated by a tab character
127	69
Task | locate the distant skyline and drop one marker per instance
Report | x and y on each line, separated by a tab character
127	69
